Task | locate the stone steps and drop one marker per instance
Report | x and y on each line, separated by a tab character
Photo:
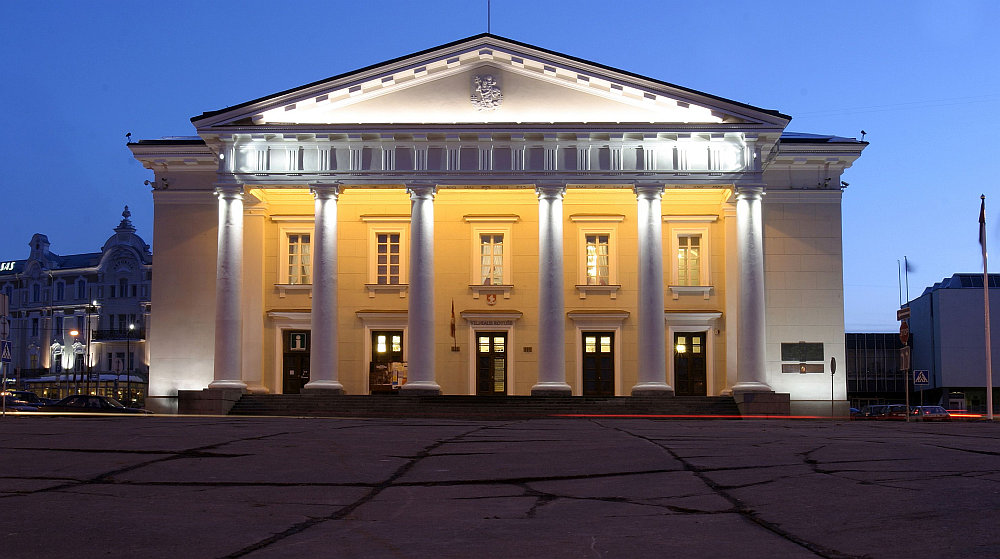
481	407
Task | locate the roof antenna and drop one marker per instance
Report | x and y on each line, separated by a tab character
863	133
488	16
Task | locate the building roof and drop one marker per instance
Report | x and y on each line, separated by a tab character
963	281
486	39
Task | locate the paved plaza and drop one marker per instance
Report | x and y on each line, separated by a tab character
193	487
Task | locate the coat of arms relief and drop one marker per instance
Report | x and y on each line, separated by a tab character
486	94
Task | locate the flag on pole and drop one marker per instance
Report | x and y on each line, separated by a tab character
982	225
453	322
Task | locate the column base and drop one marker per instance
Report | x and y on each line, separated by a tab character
551	389
238	384
324	386
210	401
422	388
658	389
752	386
257	388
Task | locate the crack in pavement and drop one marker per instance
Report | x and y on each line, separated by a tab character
166	456
348	509
739	507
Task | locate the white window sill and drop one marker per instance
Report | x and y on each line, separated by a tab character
284	288
610	290
374	288
478	290
678	290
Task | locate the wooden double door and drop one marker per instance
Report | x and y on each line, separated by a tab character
690	364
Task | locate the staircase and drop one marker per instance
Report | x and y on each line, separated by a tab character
483	407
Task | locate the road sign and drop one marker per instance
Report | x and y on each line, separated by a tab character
903	313
921	378
4	328
904	357
904	332
5	351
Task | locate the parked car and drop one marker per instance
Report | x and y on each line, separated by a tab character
896	412
31	397
931	413
872	411
12	403
84	403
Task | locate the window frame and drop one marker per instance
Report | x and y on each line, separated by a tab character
691	226
491	225
389	225
303	226
597	225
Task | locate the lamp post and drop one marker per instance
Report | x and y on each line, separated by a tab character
91	309
74	333
128	365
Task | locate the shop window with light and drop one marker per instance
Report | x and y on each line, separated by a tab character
690	272
598	254
387	250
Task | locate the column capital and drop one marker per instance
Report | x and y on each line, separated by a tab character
421	190
550	191
750	192
648	190
325	190
229	190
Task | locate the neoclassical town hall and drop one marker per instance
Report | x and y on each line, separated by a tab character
489	217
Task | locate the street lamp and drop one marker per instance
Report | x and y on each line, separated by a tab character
128	365
74	333
91	309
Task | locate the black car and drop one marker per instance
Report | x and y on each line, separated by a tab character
83	403
30	397
9	402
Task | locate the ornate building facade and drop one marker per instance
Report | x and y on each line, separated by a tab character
489	217
79	322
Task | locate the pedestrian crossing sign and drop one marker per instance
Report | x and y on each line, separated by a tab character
5	351
920	378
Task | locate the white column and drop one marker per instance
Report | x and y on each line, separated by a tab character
229	290
652	329
750	371
420	318
323	357
254	218
551	308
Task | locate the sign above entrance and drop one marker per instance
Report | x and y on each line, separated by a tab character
491	323
298	341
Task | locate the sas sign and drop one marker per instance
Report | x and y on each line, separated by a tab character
7	266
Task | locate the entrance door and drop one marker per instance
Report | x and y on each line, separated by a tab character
387	358
296	361
598	364
491	363
689	364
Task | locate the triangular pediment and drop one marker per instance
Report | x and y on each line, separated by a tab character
487	79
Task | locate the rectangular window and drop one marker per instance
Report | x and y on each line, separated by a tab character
79	323
299	259
689	260
58	330
598	260
81	289
111	291
34	327
491	259
387	258
60	291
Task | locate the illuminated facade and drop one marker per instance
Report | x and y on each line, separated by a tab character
71	316
595	232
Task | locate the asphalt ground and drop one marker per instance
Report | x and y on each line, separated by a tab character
192	487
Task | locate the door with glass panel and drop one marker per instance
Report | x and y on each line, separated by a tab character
689	364
295	361
598	364
491	363
386	361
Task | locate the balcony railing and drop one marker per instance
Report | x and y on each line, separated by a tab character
120	335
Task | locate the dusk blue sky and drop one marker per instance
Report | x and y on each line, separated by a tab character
921	77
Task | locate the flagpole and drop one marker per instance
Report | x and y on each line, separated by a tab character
899	281
986	307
